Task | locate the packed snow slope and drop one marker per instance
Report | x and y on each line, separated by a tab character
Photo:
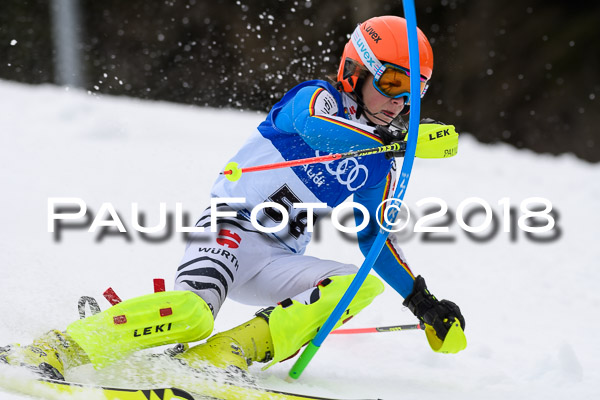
530	307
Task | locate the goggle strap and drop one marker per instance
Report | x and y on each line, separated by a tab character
366	54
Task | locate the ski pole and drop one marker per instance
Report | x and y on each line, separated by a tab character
409	157
233	172
378	329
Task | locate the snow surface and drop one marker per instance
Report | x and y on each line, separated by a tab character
531	308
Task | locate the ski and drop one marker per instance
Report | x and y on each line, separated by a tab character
54	389
51	389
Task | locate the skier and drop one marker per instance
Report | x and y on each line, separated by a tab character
232	258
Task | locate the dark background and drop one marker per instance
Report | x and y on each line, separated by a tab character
523	72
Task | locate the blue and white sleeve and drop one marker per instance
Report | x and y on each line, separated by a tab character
391	264
312	114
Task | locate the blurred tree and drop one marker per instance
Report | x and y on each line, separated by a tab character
66	33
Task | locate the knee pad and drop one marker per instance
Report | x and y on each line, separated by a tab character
293	324
142	322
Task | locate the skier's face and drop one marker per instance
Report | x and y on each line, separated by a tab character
384	108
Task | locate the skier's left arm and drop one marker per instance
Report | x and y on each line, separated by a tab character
391	265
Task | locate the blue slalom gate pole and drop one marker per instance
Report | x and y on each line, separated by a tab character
411	146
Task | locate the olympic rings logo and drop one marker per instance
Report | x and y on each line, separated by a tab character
348	172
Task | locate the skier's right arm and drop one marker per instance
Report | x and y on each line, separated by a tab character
311	113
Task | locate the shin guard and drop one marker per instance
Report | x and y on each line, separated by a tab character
293	324
142	322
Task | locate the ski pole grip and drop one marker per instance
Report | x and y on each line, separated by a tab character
303	360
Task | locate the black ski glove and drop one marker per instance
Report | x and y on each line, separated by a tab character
439	314
431	121
389	136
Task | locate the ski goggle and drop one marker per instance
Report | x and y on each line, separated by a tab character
394	81
389	79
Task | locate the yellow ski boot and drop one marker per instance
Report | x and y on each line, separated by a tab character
277	333
233	350
48	355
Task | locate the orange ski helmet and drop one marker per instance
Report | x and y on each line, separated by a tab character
387	39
